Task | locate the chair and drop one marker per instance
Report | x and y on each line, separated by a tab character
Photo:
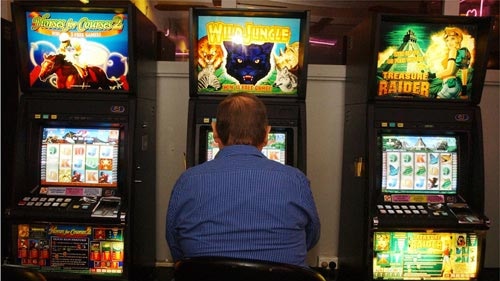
11	272
230	269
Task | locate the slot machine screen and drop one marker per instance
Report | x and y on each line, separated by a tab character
419	164
73	49
274	150
438	58
426	256
259	52
79	157
280	145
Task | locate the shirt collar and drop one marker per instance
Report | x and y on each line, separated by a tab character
238	149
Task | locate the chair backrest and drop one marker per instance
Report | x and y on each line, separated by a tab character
12	272
230	269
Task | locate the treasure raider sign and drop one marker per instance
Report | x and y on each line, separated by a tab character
426	60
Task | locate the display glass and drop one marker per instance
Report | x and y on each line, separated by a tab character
256	52
425	256
419	164
74	51
429	58
79	157
71	248
274	150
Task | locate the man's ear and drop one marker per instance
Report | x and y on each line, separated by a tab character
216	134
214	129
264	143
268	130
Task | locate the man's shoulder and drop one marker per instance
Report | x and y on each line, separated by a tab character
264	164
287	170
202	168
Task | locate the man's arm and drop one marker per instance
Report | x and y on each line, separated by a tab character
170	229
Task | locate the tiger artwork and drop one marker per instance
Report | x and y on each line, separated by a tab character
209	54
210	58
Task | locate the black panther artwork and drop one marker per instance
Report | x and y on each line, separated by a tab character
248	63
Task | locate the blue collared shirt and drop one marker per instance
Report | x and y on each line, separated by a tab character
242	205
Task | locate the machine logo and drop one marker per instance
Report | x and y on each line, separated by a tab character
117	109
462	117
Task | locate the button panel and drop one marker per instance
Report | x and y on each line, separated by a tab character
411	209
53	202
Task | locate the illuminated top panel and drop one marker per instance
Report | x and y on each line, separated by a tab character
77	51
258	52
431	58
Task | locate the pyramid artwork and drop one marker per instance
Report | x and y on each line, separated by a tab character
409	57
420	145
405	71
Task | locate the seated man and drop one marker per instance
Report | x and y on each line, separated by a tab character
242	204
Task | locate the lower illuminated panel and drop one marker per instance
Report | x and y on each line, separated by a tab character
425	255
71	248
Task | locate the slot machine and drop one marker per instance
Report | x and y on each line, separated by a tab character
413	173
84	187
259	52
